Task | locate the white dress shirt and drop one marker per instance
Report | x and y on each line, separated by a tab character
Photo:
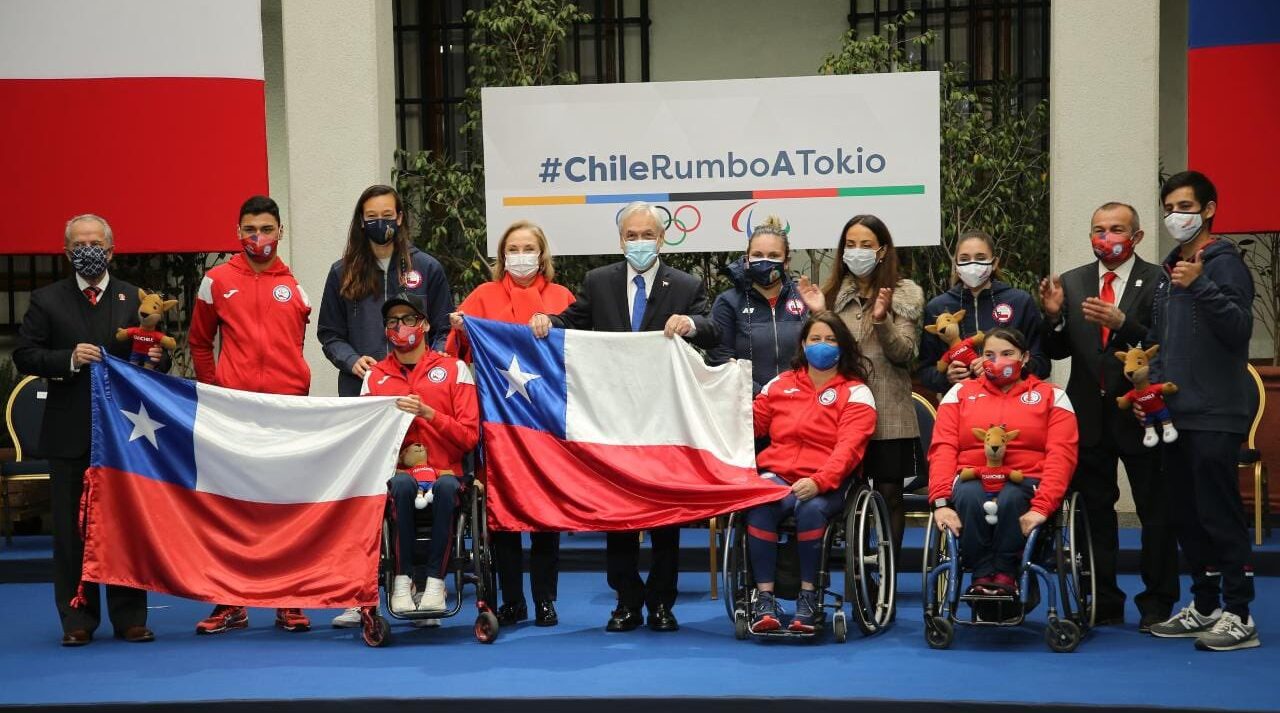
649	276
1122	278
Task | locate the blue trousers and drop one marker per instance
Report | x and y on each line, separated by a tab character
812	516
445	499
984	548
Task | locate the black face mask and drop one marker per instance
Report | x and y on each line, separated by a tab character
89	261
764	272
381	231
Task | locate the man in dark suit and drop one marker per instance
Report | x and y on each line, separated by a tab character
1092	312
60	336
640	294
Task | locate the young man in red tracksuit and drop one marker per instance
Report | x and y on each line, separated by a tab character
261	313
439	391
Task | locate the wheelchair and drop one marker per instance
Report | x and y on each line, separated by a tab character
470	561
1057	555
861	531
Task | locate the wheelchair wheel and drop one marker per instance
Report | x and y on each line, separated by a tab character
1075	564
387	555
486	584
869	565
733	572
740	625
486	628
375	630
1062	635
938	632
840	627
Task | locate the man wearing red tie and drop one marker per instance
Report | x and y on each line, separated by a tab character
60	336
1090	312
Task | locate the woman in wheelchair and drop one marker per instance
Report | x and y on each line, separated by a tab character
1039	440
439	391
819	417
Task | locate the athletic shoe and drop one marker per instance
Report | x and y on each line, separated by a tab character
402	594
1006	583
292	619
1229	634
349	619
224	618
765	613
807	612
435	598
1187	623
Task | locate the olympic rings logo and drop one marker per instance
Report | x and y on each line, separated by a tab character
686	218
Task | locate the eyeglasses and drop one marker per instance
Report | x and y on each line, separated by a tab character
408	320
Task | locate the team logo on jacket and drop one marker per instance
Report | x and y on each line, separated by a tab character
828	397
795	306
1031	398
1003	313
437	374
411	279
282	293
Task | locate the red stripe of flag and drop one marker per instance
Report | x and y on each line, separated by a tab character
796	193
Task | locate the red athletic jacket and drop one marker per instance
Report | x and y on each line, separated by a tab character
1045	447
818	433
262	318
443	383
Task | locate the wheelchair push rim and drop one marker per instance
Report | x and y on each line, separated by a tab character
870	572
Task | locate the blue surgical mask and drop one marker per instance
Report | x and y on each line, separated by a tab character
763	271
822	355
641	253
380	231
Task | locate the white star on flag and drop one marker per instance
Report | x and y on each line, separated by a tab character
517	379
143	425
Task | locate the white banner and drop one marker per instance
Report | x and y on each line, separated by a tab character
716	157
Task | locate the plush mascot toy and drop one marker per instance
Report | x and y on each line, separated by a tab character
1147	396
947	328
413	461
145	335
995	442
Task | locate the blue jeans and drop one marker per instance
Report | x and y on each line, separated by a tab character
812	516
445	499
985	548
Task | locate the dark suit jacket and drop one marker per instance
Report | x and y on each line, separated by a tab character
1081	341
58	319
602	303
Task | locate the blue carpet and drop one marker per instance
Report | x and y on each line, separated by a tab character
577	659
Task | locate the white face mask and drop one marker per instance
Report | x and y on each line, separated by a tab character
523	265
861	261
975	274
1183	226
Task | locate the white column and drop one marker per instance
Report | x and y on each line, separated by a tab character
339	79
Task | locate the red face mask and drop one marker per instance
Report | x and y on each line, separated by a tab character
259	248
405	339
1112	247
1002	371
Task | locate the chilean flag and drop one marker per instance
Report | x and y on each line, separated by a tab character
234	497
599	431
118	107
1233	108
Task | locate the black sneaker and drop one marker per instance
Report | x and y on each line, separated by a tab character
765	614
1228	634
808	613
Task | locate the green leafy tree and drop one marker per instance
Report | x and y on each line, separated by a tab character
994	165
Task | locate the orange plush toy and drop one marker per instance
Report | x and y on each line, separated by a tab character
145	335
1147	396
995	442
947	328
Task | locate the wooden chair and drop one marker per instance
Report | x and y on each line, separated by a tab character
915	502
1251	458
23	415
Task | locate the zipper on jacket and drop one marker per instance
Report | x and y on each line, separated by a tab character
773	318
257	309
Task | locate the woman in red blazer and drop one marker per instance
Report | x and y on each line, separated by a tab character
522	286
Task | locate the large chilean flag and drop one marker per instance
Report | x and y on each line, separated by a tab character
234	497
611	431
150	113
1233	108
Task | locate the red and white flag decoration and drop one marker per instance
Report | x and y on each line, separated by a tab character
150	113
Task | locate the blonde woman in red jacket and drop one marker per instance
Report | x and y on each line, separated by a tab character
523	285
819	417
1044	450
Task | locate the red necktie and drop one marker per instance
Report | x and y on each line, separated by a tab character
1108	295
92	293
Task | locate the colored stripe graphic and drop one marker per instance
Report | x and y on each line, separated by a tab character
844	192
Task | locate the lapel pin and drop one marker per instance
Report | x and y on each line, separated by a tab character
665	283
120	297
1137	283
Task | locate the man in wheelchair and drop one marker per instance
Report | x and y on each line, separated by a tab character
819	417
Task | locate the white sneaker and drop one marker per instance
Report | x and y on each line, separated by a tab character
1149	438
434	598
402	594
1187	623
425	623
349	619
1229	634
1170	433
